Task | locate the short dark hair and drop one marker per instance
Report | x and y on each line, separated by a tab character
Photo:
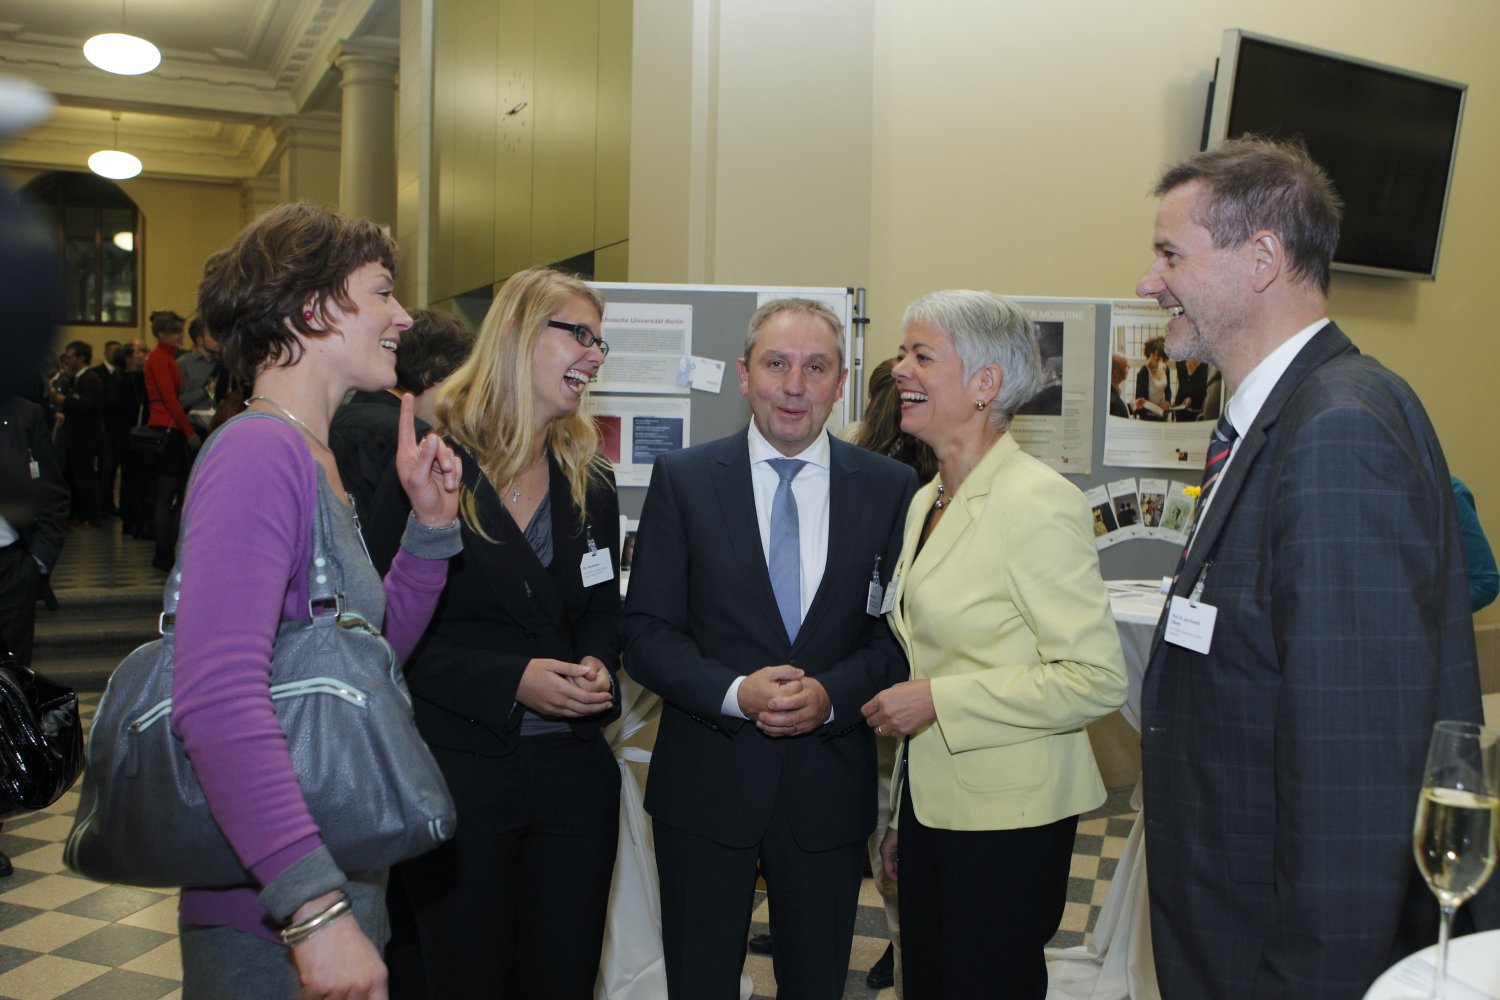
292	258
83	349
1254	183
1156	345
431	350
195	329
165	321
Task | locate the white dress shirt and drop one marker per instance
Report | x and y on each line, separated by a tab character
810	489
1252	394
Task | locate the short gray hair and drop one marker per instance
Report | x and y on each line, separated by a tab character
807	307
986	329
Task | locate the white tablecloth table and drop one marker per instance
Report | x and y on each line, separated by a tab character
630	965
1473	971
1116	962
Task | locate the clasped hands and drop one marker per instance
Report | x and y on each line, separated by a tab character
566	690
783	701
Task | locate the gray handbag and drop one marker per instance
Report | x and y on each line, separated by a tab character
369	779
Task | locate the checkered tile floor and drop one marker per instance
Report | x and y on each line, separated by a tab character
104	558
63	936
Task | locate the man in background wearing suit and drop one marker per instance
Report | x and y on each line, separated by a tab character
1318	624
762	632
109	459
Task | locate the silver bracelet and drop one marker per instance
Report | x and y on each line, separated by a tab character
294	934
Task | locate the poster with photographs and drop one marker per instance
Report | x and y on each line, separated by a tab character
1140	508
1161	410
1057	424
1125	501
1177	514
1106	528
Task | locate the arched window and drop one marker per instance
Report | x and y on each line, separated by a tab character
99	233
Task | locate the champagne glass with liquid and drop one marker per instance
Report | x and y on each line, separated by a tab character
1457	815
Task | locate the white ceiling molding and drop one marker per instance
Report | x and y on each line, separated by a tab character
233	79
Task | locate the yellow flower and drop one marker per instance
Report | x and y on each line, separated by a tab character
1192	491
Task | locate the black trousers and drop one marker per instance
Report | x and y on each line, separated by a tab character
83	483
514	905
978	907
708	891
171	469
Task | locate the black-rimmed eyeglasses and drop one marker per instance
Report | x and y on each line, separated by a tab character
586	338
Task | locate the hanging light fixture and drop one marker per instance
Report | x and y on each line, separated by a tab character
117	52
115	164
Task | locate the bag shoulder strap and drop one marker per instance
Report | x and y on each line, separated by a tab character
325	577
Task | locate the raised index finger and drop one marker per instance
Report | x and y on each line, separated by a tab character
406	431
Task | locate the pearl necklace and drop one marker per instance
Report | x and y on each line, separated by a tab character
293	418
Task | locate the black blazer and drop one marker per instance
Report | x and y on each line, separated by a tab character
501	608
1281	769
701	612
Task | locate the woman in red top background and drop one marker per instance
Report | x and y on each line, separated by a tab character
163	382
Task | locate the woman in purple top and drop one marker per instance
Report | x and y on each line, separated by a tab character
303	303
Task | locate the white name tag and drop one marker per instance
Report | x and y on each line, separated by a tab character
597	567
1190	625
889	604
36	469
873	602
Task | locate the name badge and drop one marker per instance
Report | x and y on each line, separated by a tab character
1190	624
597	567
873	602
36	469
889	604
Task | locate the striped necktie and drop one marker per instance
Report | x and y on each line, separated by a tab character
785	562
1219	447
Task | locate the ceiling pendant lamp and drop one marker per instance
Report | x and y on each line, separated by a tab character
115	164
117	52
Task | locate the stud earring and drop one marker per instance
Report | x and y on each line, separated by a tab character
980	404
307	314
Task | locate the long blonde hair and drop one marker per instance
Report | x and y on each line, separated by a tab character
486	405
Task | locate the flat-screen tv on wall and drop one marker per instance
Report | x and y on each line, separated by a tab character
1387	137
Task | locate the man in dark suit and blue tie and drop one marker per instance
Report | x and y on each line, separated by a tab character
755	612
1318	624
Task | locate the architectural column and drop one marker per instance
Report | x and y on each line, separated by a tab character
367	171
309	158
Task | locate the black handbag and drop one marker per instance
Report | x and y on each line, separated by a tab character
150	441
41	739
370	781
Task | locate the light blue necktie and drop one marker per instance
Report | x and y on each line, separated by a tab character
785	562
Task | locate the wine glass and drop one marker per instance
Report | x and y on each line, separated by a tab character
1457	815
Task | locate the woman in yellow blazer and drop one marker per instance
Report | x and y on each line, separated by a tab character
1006	621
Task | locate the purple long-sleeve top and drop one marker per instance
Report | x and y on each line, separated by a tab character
244	558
